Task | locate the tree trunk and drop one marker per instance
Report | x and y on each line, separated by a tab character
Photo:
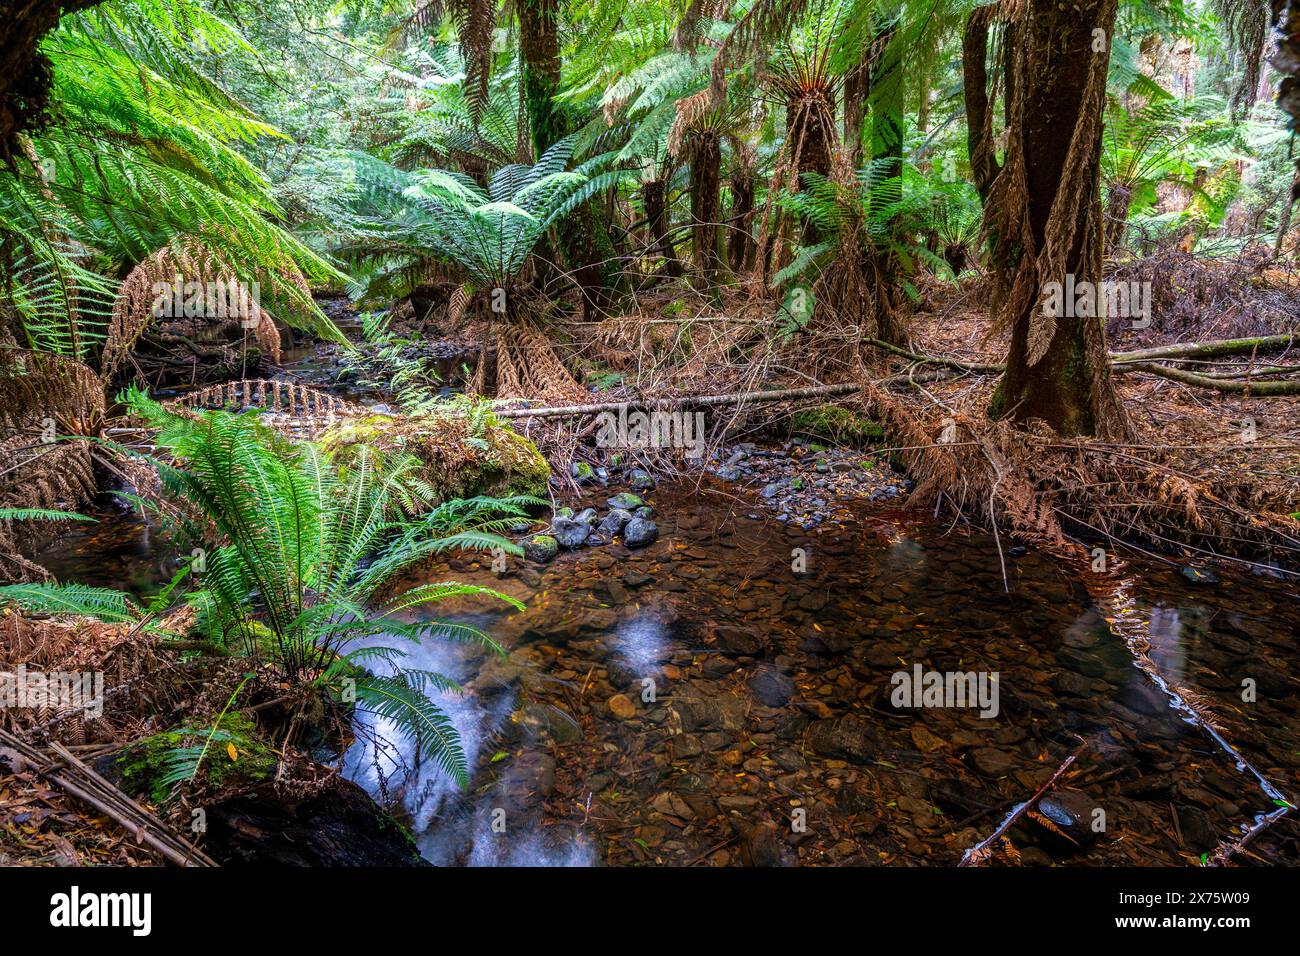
706	203
1118	200
655	195
1286	19
24	71
584	234
740	239
1045	210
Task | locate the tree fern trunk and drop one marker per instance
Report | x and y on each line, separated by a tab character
706	203
24	71
584	234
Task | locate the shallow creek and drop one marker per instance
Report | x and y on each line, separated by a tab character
700	702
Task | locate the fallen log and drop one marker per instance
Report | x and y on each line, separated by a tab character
665	404
1215	349
1238	386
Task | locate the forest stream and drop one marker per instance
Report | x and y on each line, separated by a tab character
700	702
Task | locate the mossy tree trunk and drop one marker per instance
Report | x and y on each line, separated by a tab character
1044	207
24	72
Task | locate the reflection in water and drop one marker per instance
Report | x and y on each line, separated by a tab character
1168	650
774	694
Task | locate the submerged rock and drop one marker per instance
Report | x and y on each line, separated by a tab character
770	687
1198	575
849	737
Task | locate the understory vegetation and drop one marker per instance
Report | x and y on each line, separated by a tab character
1040	256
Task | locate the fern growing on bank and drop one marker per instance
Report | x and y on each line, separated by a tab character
303	551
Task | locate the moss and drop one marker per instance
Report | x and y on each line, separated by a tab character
835	424
463	454
145	764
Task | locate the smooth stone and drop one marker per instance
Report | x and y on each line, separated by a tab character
640	532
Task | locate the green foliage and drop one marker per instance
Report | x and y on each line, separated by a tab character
434	216
144	151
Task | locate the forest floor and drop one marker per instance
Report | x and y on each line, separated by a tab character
676	345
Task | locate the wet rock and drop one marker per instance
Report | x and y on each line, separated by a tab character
614	589
770	687
538	720
1070	816
570	533
925	741
541	548
621	706
645	511
738	640
636	579
589	515
582	472
687	747
1033	856
626	501
640	532
704	706
848	737
614	522
761	847
642	480
992	762
1197	830
1198	575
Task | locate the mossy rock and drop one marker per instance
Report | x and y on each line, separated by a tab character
145	765
835	424
462	458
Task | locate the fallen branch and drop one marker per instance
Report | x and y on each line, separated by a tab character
1237	386
1215	349
707	401
976	854
1226	851
83	783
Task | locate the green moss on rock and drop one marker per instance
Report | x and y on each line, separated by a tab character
463	454
836	424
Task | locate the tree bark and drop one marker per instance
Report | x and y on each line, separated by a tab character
706	203
1044	210
740	239
584	234
24	71
655	196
